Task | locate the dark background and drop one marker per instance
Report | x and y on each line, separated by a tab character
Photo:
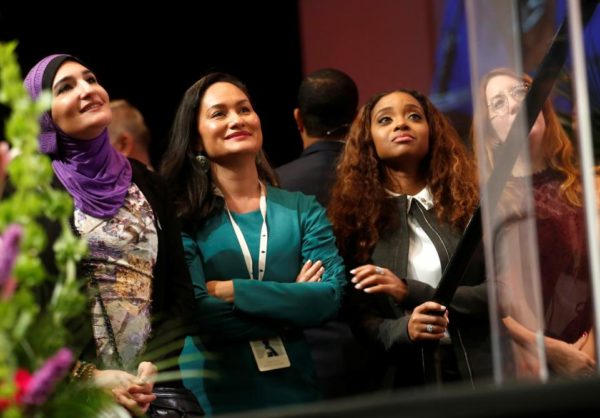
152	55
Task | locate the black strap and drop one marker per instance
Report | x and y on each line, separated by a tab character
404	239
107	323
430	350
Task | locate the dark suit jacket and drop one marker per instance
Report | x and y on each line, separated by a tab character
313	173
378	319
340	362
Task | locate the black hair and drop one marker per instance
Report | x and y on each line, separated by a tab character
52	69
328	101
189	182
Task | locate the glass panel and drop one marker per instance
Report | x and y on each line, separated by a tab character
533	210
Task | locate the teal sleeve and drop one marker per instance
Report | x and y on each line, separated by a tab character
217	318
300	304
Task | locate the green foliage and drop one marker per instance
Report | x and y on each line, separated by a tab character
31	329
74	401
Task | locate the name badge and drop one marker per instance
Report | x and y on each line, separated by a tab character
270	354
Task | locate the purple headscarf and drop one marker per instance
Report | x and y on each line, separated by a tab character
92	171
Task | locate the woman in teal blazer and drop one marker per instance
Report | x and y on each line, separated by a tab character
263	261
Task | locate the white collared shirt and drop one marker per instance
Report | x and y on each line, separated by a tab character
424	262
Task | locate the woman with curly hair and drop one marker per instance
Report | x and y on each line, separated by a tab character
553	176
406	189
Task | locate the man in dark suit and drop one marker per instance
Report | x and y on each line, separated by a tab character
327	104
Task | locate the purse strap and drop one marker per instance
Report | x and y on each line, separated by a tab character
109	329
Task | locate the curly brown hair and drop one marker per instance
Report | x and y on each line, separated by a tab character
360	207
559	154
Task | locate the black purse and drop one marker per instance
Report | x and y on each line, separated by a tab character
174	402
170	402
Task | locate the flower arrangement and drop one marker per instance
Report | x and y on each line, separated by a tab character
35	362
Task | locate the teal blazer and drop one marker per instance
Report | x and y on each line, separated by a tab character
276	306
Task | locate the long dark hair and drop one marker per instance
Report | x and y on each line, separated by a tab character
190	184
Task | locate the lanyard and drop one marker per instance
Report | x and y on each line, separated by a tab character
264	236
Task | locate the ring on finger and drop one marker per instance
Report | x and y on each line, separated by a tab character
378	270
429	328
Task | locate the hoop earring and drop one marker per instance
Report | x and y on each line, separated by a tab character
204	162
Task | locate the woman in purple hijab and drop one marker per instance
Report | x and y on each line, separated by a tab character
138	281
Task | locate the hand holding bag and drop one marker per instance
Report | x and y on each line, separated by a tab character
170	402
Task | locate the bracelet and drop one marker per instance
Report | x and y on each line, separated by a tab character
84	371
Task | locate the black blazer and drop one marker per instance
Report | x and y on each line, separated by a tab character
383	323
172	293
313	173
